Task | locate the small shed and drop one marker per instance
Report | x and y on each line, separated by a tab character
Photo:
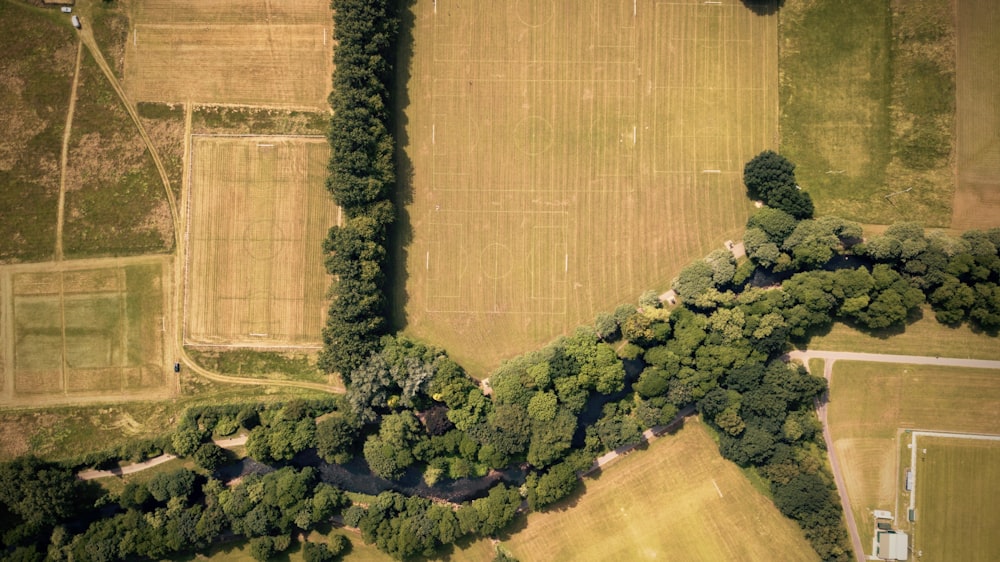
910	480
883	514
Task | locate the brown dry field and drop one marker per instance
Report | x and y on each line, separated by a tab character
258	214
257	52
80	331
871	402
977	199
567	156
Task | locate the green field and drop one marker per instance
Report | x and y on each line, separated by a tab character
867	107
956	501
115	201
924	337
566	157
870	403
78	333
36	74
678	500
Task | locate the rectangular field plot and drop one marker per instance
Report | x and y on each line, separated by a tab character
259	213
86	332
956	498
499	263
257	53
630	120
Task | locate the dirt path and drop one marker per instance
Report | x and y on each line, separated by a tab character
88	39
648	436
156	461
831	357
64	157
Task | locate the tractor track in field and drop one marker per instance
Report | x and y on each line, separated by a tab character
64	157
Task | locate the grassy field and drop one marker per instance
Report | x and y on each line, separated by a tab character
566	158
258	121
957	494
264	364
36	73
165	126
867	107
115	202
924	337
977	200
259	212
77	333
870	402
230	52
678	500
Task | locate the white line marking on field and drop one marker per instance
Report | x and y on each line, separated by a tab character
258	335
717	487
259	145
135	36
713	2
711	171
433	130
633	8
566	263
633	134
435	7
427	261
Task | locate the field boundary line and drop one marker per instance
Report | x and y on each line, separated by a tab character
259	136
64	157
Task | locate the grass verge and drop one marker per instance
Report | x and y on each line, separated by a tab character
253	363
255	121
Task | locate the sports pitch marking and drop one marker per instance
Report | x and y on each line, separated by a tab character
257	214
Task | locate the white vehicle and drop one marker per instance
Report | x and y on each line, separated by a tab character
76	22
66	10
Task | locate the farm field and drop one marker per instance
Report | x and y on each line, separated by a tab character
871	403
229	52
924	337
258	214
956	498
566	157
678	500
80	332
977	199
36	74
867	107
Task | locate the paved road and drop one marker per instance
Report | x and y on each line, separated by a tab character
829	358
139	466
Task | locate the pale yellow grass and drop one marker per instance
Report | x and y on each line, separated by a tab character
870	403
259	212
567	157
957	495
257	53
977	199
924	337
678	500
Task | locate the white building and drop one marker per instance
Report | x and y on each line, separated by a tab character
892	545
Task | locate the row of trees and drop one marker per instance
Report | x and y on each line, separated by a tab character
361	181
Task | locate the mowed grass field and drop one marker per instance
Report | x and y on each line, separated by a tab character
258	215
957	495
254	52
867	107
926	336
871	402
977	200
678	500
566	156
78	333
37	60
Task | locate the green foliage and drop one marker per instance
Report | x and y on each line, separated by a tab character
167	485
210	456
553	485
770	178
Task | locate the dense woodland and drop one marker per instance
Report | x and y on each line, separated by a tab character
552	412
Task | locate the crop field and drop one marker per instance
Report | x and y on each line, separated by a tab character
259	212
36	75
956	498
870	403
977	200
231	52
566	157
678	500
867	107
76	332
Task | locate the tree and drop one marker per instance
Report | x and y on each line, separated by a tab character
335	437
210	456
552	486
176	484
770	178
